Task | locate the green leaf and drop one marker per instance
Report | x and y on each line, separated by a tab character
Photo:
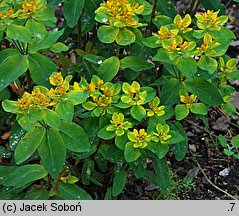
51	118
24	175
52	151
65	110
228	152
12	65
225	35
166	7
150	93
39	194
170	92
139	167
180	149
28	145
111	153
119	182
214	5
72	11
41	68
208	63
74	137
229	109
73	192
17	133
162	172
175	138
222	140
38	30
59	47
138	112
107	34
150	42
235	141
125	37
106	135
199	108
19	33
163	150
109	69
135	63
45	43
11	106
77	98
131	154
120	141
87	171
5	171
46	16
4	94
181	111
188	67
147	7
162	55
205	91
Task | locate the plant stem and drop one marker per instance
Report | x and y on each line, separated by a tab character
118	50
153	15
29	81
189	10
228	3
79	38
195	8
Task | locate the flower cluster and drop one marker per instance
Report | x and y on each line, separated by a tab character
133	95
24	10
188	100
121	13
118	124
44	98
210	20
102	95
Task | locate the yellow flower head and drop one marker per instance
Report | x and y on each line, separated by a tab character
162	133
207	41
56	79
25	102
118	124
210	20
165	33
40	99
121	13
133	94
139	138
29	7
188	100
155	108
102	101
8	14
77	88
183	23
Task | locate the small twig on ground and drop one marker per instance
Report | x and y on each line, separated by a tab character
209	181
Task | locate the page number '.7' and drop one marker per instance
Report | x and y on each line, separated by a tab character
231	206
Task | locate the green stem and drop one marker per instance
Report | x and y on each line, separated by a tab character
79	38
228	3
196	8
29	81
153	15
18	46
189	10
118	50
